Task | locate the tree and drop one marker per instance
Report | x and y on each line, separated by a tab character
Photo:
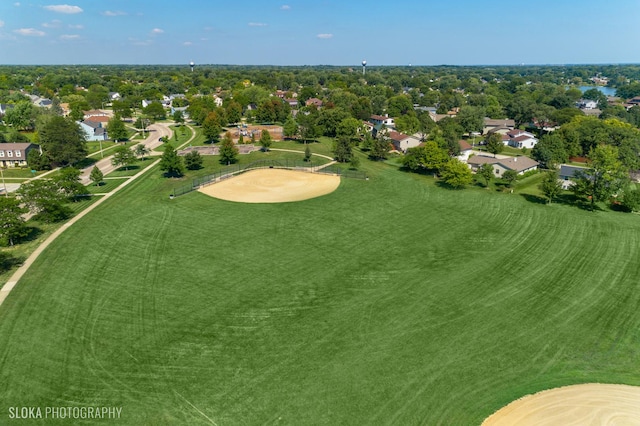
471	118
631	199
380	147
155	110
178	117
265	140
21	116
193	160
307	153
510	176
605	176
550	151
37	160
211	128
495	144
550	185
96	176
116	129
121	108
123	156
342	149
141	150
354	163
68	181
44	199
12	225
63	140
456	174
290	128
170	163
228	150
486	173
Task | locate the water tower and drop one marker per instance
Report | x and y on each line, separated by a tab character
364	66
192	64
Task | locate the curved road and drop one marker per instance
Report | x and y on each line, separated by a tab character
156	131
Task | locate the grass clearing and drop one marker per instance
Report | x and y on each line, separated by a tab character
108	185
389	301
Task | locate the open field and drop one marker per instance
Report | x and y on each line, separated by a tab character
388	301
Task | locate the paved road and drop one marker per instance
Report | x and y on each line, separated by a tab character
156	131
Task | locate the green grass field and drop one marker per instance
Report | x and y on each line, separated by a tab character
390	301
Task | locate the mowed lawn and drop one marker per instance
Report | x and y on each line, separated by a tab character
390	301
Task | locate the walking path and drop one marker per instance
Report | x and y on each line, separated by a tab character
13	280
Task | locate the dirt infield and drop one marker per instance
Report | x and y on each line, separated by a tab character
273	186
588	404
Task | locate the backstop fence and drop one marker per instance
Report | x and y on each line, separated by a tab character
232	170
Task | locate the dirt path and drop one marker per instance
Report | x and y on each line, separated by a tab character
13	280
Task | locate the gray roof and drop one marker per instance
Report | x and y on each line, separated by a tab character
569	171
518	164
21	146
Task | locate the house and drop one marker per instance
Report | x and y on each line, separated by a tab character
218	100
382	120
566	174
293	103
587	104
465	151
95	113
114	96
498	125
185	113
44	103
519	164
402	142
314	101
93	130
520	139
146	103
15	154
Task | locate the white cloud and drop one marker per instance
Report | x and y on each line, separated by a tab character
64	8
17	4
257	24
187	43
114	13
1	24
285	7
30	32
157	31
76	27
325	36
69	36
53	24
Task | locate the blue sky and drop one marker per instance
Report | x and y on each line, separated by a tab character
312	32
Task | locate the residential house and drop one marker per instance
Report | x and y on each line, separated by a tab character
402	142
501	126
520	139
185	113
218	100
114	96
15	154
632	102
567	173
293	103
314	101
383	119
465	151
520	164
95	113
93	130
587	104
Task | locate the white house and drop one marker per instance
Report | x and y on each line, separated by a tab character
218	100
402	142
587	104
383	119
520	139
465	151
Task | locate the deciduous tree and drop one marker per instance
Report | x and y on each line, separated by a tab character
12	225
123	156
116	129
550	185
228	150
96	176
486	173
495	144
456	174
193	160
44	199
63	140
265	140
604	177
